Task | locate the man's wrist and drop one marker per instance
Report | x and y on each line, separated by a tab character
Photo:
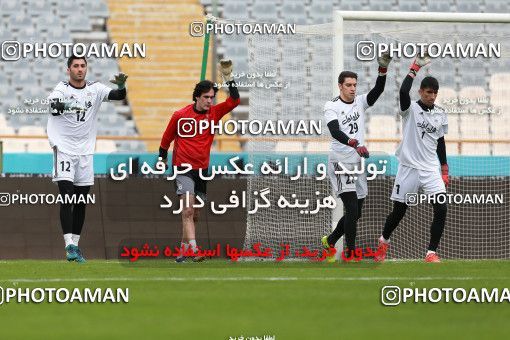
163	153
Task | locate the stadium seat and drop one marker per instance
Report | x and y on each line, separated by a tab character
350	5
284	146
265	12
468	6
381	5
320	12
7	130
59	34
452	148
500	126
42	9
105	146
294	13
96	8
48	23
20	21
454	126
79	23
14	145
28	34
29	130
500	93
445	96
476	149
235	10
66	8
474	94
320	147
496	6
10	7
381	148
382	126
474	127
23	79
439	6
38	146
409	6
501	149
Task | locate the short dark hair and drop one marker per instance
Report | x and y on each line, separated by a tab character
429	83
346	74
73	57
203	87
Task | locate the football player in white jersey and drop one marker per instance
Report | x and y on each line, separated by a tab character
421	155
72	130
345	117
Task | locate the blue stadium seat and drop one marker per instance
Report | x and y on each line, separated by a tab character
496	6
265	12
409	6
321	12
439	5
235	10
97	8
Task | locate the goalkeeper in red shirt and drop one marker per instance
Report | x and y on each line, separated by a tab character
193	146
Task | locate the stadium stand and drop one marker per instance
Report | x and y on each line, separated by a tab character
164	81
30	79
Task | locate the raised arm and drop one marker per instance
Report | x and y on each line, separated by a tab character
378	89
405	88
225	70
120	93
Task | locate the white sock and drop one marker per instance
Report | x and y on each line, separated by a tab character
184	247
382	239
68	239
430	252
193	245
76	239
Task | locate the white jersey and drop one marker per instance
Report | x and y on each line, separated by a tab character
73	133
421	130
351	118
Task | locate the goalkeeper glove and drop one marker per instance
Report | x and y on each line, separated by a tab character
74	106
444	174
384	61
164	155
225	69
119	80
360	148
419	62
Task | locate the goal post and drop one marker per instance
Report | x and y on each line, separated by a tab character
472	90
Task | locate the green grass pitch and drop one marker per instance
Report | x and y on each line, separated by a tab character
220	299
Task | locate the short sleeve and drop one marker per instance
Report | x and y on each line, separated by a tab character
329	112
58	92
102	92
362	99
445	124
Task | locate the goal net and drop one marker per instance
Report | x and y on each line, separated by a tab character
472	89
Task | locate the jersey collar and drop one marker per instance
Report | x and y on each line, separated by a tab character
198	112
425	107
343	101
78	88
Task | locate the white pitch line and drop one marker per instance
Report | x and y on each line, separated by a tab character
249	278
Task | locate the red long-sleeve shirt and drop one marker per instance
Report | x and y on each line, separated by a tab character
194	150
